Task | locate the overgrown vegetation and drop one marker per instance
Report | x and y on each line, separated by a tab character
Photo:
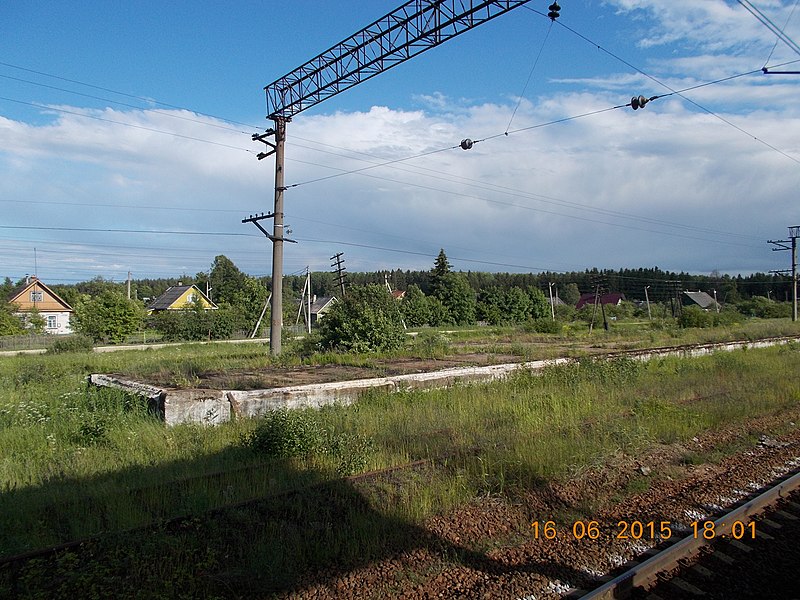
105	452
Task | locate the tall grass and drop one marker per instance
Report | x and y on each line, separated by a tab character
75	462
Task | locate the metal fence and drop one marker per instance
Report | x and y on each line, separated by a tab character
29	342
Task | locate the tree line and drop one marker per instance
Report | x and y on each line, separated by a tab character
438	296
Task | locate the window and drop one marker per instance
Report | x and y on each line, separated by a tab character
52	322
37	296
191	298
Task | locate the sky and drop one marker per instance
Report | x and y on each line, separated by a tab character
125	140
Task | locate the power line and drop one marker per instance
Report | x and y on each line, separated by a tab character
105	230
144	99
122	123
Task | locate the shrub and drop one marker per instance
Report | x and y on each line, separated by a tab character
431	345
73	343
544	325
285	434
366	320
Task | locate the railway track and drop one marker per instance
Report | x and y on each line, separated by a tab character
746	553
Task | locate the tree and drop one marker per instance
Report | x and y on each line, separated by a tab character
10	324
109	317
415	308
34	321
366	320
458	297
441	269
539	303
570	294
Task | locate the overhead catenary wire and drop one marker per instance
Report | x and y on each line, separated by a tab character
777	39
769	24
530	75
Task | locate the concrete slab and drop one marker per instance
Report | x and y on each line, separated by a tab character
218	406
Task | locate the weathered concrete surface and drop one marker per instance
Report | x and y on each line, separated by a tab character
217	406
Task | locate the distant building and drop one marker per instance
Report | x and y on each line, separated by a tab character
181	297
614	298
701	299
321	305
34	295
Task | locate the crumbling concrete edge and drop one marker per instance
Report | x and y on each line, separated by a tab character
218	406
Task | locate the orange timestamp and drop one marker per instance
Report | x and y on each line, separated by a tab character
637	530
591	530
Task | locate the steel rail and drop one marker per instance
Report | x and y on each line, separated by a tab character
646	573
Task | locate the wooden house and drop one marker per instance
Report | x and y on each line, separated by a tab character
181	297
35	296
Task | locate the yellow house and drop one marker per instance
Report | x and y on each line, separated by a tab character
34	295
181	297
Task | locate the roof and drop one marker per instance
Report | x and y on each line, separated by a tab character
610	298
322	303
50	301
167	300
702	299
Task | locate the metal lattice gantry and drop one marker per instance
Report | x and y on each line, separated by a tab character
407	31
404	33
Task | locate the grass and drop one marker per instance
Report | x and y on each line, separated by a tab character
75	463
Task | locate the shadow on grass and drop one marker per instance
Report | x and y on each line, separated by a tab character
273	546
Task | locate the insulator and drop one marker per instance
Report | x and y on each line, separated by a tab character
638	102
554	11
467	144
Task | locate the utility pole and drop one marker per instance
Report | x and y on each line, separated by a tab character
129	285
794	233
552	307
675	299
647	299
338	264
413	28
277	239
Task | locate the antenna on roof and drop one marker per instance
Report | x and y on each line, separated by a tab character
35	265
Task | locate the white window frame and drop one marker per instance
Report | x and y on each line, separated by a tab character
52	322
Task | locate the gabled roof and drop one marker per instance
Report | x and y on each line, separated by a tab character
702	299
321	304
168	300
50	300
610	298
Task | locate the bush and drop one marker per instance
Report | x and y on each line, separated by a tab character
285	434
194	324
295	433
109	317
367	320
73	343
544	325
430	344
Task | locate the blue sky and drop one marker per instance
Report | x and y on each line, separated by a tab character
125	140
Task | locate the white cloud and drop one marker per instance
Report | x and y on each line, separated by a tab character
669	185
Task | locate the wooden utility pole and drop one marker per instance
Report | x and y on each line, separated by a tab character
404	33
338	263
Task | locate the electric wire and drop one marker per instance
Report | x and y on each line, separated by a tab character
530	75
157	111
131	125
356	171
676	92
769	24
144	99
785	25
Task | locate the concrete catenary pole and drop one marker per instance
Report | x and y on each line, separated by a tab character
793	235
276	318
